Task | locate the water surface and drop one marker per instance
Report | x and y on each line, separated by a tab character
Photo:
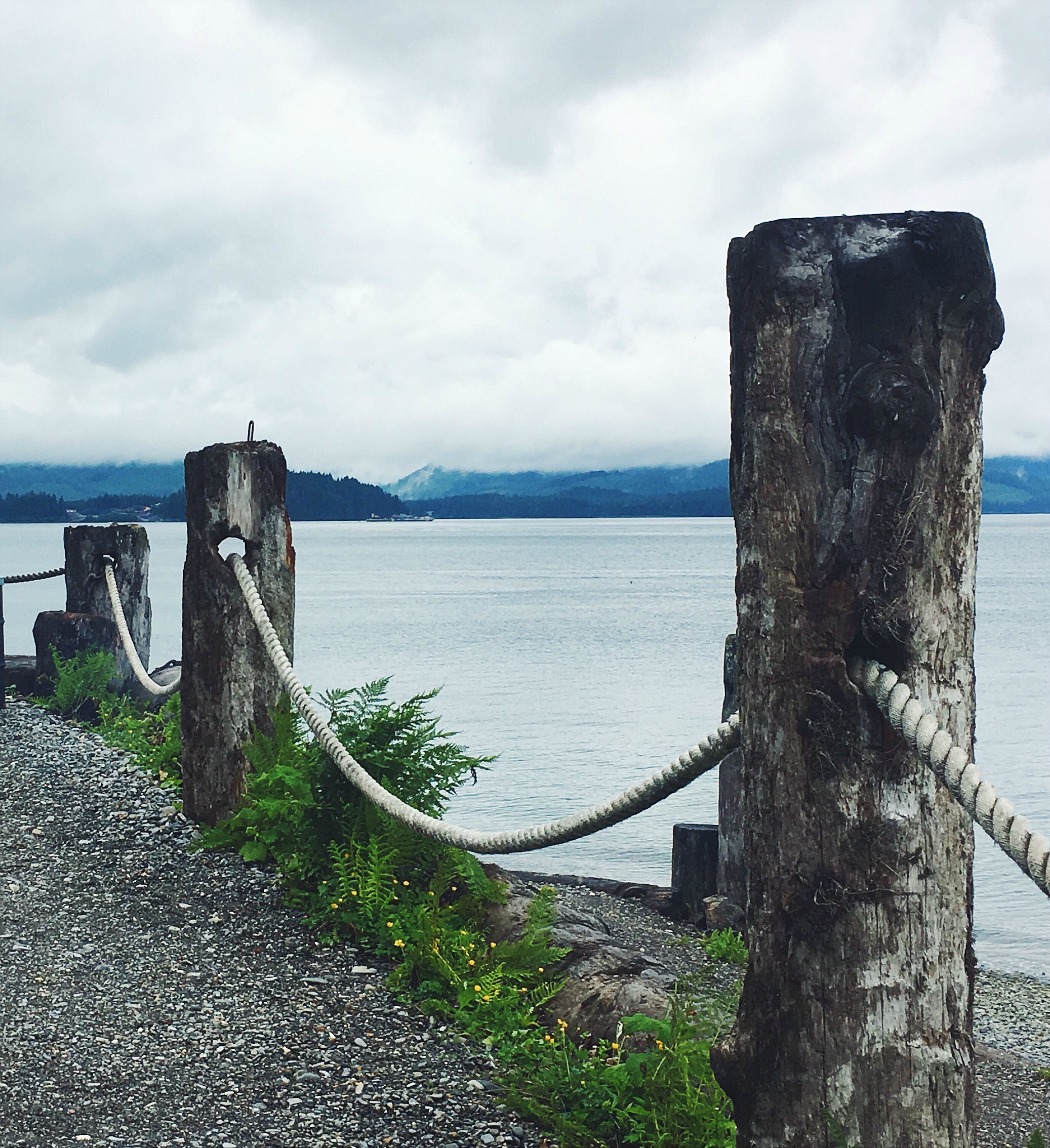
588	653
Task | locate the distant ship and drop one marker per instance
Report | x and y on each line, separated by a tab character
403	518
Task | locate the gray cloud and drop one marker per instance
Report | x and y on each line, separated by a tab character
479	235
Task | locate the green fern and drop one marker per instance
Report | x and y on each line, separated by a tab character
81	682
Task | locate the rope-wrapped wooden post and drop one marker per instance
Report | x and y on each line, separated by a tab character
858	348
87	621
229	686
128	545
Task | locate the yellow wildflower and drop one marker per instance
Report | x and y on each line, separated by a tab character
390	924
399	944
477	988
335	904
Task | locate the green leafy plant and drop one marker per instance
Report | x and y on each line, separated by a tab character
81	682
1036	1140
725	945
153	736
653	1085
83	691
355	872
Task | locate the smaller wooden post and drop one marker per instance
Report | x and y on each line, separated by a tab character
86	593
67	634
229	687
694	868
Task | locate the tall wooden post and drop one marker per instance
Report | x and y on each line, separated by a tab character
858	348
229	687
128	545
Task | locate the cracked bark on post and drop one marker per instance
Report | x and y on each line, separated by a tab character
229	686
858	349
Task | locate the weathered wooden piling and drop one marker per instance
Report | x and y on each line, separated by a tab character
87	621
229	687
694	868
858	348
127	544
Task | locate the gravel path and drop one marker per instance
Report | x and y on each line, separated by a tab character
155	997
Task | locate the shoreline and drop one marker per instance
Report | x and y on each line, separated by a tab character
150	989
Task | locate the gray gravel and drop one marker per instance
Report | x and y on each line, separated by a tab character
156	997
153	996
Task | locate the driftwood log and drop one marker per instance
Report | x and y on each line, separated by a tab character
858	348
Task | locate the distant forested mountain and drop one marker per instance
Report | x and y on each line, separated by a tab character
39	493
73	483
1011	486
1014	485
31	507
313	497
310	496
578	502
434	482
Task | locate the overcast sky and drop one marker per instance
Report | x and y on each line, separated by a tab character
478	234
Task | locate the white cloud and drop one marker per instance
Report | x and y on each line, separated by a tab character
471	234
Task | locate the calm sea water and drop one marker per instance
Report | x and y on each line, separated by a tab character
588	653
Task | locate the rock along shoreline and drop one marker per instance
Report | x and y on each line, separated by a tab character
154	996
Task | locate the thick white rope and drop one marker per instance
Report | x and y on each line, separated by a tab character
690	765
137	668
1014	835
